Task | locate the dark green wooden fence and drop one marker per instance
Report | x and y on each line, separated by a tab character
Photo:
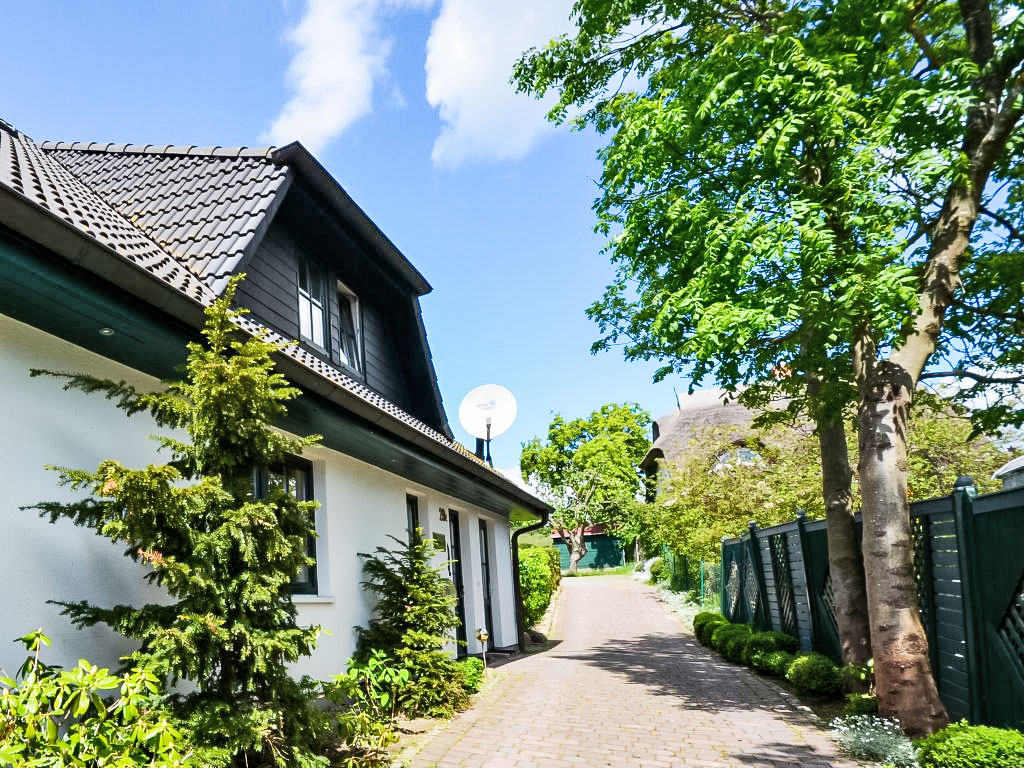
969	563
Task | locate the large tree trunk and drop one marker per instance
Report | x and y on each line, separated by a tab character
577	547
844	558
903	676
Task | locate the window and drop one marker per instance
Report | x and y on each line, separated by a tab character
349	327
412	511
311	303
296	477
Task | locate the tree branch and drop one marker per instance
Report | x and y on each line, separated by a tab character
1015	233
979	377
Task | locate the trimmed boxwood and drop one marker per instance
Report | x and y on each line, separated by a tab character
814	673
776	663
730	640
762	643
971	746
704	624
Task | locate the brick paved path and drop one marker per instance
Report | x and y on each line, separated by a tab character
626	686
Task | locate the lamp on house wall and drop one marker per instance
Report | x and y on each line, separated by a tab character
483	636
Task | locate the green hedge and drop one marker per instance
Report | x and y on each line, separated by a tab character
815	674
762	644
971	746
704	624
536	580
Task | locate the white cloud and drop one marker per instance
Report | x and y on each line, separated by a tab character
472	47
339	54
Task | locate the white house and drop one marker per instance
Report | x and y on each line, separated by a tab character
109	253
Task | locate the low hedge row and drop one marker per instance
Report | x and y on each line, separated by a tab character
772	653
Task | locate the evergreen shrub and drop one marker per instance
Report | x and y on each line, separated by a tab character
413	622
816	674
659	571
224	552
472	670
762	643
730	640
704	624
534	582
971	746
861	704
776	663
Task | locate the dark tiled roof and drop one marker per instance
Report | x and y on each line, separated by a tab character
45	182
204	205
172	179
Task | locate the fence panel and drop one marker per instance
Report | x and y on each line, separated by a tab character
997	600
969	564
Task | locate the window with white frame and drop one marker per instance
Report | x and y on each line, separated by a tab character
311	304
349	326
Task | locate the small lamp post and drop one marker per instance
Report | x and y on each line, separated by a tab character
483	636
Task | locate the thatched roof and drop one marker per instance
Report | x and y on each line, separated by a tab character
704	409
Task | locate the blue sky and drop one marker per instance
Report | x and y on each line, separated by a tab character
406	103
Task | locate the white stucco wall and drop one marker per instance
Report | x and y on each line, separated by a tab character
40	425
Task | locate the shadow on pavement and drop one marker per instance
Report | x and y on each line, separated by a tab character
676	665
786	754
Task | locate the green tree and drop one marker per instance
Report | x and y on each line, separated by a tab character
413	622
793	193
722	481
589	469
225	558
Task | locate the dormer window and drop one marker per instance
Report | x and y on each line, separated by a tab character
349	327
311	303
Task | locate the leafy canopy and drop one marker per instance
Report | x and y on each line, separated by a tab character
770	182
589	468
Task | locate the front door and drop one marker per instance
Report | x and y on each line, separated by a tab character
485	570
455	555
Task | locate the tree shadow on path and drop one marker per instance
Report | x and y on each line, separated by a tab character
677	666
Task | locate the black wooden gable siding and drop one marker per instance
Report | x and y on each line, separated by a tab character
388	335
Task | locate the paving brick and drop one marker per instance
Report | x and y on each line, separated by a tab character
625	686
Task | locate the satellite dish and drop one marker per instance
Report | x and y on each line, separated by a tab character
487	411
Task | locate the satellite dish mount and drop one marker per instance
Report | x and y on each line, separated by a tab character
486	412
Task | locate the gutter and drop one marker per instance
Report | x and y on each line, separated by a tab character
520	620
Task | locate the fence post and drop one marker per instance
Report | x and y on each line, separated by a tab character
721	582
963	514
801	522
762	587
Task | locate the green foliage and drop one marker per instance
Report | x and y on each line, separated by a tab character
971	746
535	582
366	700
861	704
709	493
730	640
704	624
868	737
225	558
814	673
659	570
85	716
472	673
413	621
771	183
589	469
761	644
706	497
776	663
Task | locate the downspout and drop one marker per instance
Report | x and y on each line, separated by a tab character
520	619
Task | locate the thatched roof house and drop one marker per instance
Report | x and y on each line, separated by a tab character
703	410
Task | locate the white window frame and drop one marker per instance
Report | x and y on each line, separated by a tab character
347	295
